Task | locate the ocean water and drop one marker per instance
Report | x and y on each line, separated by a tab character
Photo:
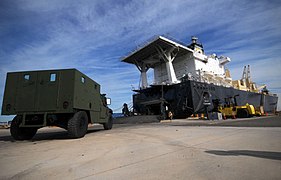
117	115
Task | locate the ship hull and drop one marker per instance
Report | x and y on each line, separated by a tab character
190	97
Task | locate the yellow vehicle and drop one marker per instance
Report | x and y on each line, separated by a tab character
231	109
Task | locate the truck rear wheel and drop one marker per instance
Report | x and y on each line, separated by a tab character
21	133
108	125
77	126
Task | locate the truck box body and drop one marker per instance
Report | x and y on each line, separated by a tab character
52	92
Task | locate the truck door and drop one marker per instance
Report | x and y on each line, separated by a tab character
26	91
103	108
47	90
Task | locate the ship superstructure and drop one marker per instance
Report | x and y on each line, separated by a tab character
185	78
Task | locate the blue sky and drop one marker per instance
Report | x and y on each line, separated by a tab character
93	36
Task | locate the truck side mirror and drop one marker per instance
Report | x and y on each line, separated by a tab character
108	101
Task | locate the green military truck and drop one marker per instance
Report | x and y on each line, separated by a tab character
65	98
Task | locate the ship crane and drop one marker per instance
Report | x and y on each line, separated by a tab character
243	79
246	79
262	89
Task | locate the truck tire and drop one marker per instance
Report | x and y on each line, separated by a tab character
21	133
242	113
109	124
77	126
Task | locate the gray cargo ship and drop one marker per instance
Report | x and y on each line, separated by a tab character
187	81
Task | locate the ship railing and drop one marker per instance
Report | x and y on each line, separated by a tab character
200	76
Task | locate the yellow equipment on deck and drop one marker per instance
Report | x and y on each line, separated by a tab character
231	109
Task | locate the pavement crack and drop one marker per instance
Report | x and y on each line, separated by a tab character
133	163
26	172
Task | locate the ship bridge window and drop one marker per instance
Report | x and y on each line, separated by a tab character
26	77
53	77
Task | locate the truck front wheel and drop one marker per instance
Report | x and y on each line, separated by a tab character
77	126
108	125
21	133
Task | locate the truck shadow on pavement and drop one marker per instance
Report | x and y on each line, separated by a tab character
258	154
42	136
